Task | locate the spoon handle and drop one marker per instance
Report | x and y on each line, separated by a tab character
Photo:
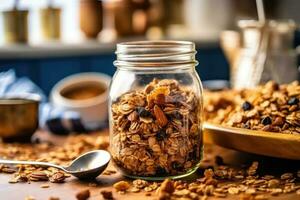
16	162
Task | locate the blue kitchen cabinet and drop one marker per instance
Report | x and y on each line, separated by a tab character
46	72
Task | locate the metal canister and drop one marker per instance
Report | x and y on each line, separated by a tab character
15	26
50	23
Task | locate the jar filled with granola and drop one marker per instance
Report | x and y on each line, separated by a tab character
155	110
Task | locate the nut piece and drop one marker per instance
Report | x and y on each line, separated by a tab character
107	194
57	177
286	176
160	116
273	183
45	186
121	186
38	176
167	186
83	194
166	189
140	184
233	190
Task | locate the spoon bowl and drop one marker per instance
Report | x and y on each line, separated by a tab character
87	166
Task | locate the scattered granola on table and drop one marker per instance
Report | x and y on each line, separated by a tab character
219	180
223	181
269	107
156	131
61	155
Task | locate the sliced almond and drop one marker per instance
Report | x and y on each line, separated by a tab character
160	116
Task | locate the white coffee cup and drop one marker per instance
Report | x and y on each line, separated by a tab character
93	111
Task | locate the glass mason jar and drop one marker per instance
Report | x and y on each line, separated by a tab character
155	106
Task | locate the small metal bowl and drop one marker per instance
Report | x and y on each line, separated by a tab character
18	118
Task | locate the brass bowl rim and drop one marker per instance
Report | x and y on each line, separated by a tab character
19	99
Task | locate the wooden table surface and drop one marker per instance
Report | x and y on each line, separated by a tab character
68	190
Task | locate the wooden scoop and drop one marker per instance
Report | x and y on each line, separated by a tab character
258	142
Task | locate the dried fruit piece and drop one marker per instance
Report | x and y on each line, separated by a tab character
266	120
142	112
166	187
161	135
160	99
246	106
83	194
107	194
121	186
219	160
293	101
279	121
160	116
158	91
176	165
160	170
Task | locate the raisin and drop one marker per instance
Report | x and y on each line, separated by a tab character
193	154
161	135
142	112
149	150
276	86
219	160
293	101
246	106
246	126
266	120
107	194
161	171
177	115
176	166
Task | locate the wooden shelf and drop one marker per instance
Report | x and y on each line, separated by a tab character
88	47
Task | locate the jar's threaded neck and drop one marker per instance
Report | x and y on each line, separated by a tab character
155	54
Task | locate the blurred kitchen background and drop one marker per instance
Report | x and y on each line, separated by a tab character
48	40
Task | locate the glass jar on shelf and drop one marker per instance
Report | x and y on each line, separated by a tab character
155	110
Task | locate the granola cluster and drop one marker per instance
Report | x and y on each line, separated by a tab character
156	131
269	107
